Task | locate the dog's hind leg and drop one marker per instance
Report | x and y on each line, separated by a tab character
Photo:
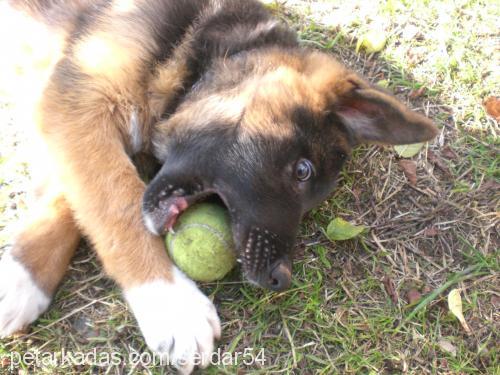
32	269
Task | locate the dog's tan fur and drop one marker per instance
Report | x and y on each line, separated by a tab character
88	137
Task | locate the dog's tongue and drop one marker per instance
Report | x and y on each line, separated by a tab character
175	207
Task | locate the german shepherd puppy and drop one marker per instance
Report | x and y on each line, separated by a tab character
222	98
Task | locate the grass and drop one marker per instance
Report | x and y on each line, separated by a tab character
338	316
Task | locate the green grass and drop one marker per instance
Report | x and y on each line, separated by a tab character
338	317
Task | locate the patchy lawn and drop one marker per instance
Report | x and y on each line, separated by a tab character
375	304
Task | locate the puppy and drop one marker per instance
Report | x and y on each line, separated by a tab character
215	96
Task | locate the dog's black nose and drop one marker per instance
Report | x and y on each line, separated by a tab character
280	276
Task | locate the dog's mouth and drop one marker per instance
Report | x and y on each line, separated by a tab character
161	210
260	252
172	208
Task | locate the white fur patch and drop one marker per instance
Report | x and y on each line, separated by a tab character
262	28
148	222
177	320
135	133
21	300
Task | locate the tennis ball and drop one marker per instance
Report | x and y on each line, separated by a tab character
202	242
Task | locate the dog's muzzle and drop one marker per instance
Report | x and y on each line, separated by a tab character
264	262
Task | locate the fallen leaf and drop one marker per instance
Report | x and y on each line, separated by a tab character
443	363
383	83
413	296
408	151
448	347
373	41
341	315
417	93
409	168
438	162
455	306
495	301
390	288
356	192
492	106
431	232
339	230
5	362
449	153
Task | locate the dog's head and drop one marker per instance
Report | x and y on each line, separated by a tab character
268	132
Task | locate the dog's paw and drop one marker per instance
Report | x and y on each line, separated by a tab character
177	320
21	300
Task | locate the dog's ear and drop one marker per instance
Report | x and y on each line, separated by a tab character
372	115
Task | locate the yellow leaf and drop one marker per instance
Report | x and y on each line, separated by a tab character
455	306
408	151
372	41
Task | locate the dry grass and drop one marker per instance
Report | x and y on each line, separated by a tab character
348	309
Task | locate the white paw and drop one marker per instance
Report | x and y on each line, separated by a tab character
21	300
177	320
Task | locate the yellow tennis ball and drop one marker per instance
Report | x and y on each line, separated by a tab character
202	242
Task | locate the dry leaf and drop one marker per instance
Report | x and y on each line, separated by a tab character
455	306
495	301
417	93
448	347
413	296
4	362
390	289
438	162
449	153
341	314
492	106
443	363
409	168
431	232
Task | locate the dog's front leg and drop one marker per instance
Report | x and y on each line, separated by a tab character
105	191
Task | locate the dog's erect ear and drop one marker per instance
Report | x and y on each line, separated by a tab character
373	115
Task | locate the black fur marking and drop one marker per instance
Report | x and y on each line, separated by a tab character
87	18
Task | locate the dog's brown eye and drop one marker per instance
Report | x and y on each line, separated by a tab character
304	170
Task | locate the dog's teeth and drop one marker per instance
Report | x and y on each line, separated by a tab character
180	192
